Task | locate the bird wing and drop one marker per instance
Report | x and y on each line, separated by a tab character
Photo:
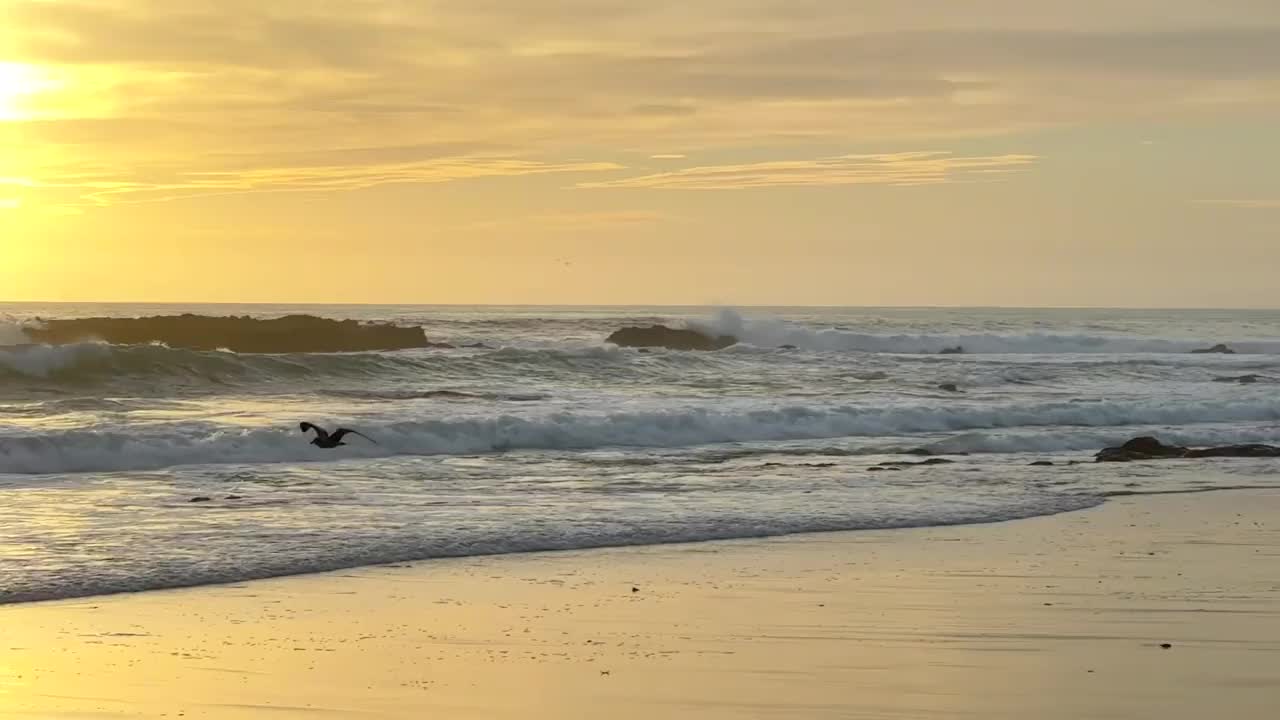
306	427
343	432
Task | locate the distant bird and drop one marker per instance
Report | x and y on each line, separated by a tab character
326	440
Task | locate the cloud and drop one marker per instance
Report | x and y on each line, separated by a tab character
575	220
1248	204
908	168
187	85
161	184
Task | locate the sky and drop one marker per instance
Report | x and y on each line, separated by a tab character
771	152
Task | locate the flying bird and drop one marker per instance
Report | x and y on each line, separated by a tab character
325	439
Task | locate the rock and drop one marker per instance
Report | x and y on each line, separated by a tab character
927	452
290	334
908	463
1149	448
787	347
1166	646
1042	463
1247	451
200	498
1242	379
1220	348
670	338
1140	448
235	497
949	387
957	350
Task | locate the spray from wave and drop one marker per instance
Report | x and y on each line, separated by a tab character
772	333
195	444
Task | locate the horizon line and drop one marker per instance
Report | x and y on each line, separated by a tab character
701	306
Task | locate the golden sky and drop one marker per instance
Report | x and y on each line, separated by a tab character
869	152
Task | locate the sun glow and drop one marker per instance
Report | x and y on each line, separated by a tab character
19	84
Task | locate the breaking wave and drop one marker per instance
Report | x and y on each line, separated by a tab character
202	443
772	333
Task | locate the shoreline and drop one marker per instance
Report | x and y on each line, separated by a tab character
1057	616
1101	500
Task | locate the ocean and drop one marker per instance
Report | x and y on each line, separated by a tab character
543	437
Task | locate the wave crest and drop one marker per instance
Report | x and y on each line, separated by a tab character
772	333
85	450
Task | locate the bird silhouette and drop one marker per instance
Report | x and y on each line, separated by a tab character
327	440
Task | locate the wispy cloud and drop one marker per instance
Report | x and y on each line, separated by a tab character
153	83
575	220
161	184
1248	204
908	168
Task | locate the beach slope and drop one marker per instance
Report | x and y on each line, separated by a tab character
1056	617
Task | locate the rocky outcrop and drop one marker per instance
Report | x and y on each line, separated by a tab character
1220	349
1149	448
1242	379
291	334
907	463
957	350
670	338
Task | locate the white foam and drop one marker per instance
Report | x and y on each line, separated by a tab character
11	333
772	332
193	444
45	360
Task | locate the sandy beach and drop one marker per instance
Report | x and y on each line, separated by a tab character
1055	617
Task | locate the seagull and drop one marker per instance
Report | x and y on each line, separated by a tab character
327	441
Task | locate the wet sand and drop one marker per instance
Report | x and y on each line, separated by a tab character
1059	617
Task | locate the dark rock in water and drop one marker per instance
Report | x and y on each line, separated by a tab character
670	338
876	468
1242	379
798	465
235	497
1245	451
949	387
1042	463
1166	646
787	347
908	463
1149	448
291	334
200	498
1148	445
1140	448
926	452
1220	348
957	350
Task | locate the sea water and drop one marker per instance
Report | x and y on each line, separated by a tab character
545	437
